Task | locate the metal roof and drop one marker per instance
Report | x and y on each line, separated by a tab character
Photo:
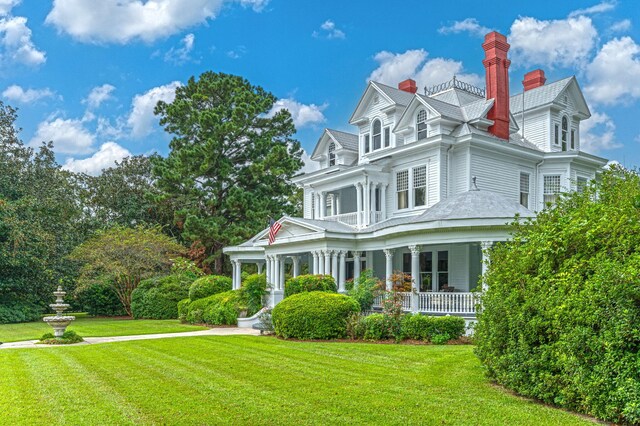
346	140
398	96
539	96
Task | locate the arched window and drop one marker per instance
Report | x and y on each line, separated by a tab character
377	134
421	124
565	129
332	154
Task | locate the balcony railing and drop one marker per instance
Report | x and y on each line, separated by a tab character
351	219
438	303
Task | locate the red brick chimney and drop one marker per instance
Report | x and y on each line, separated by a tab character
408	85
496	65
533	79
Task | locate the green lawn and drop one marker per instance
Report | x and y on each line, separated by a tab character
257	380
94	327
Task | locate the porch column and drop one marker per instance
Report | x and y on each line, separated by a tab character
367	203
314	263
359	204
259	265
334	266
415	276
320	262
276	272
337	200
372	203
296	266
383	201
316	203
281	266
267	264
356	265
343	271
388	254
486	259
233	274
323	204
238	274
327	262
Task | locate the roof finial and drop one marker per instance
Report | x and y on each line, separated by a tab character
475	187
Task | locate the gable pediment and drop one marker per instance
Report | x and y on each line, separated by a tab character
373	96
406	121
291	228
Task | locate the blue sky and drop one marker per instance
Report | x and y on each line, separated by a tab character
86	74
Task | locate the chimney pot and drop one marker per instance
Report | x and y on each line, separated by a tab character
496	65
408	85
534	79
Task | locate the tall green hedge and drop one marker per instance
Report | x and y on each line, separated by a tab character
208	286
219	309
314	315
157	298
307	283
560	320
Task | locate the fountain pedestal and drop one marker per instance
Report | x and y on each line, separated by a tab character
59	322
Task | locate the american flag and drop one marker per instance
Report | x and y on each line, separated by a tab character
274	227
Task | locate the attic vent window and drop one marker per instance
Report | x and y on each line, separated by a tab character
376	99
332	154
421	124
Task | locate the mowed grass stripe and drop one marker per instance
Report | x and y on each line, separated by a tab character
262	380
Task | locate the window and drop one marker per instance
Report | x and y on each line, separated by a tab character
332	154
426	269
402	188
387	137
555	136
366	143
551	188
581	184
524	189
573	139
565	128
313	205
443	270
421	124
377	134
420	186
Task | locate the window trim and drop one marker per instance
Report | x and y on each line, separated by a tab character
528	191
420	130
551	197
375	135
423	186
564	131
406	190
556	136
331	153
386	132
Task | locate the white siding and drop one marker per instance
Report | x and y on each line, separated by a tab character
307	200
496	173
459	174
536	129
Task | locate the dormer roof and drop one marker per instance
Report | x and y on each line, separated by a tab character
343	140
548	94
390	94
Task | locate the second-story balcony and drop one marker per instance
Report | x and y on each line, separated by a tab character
351	218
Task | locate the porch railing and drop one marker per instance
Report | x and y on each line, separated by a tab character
438	303
350	219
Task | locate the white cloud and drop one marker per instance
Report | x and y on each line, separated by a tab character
563	43
17	46
141	119
16	93
120	21
302	114
256	5
7	5
237	53
98	95
469	25
598	133
309	164
329	30
621	26
614	72
68	135
396	67
181	54
605	6
105	157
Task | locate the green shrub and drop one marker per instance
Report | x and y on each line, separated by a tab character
183	309
219	309
157	298
208	286
453	327
375	327
355	326
69	337
314	315
366	289
559	320
254	290
14	312
99	299
417	327
308	283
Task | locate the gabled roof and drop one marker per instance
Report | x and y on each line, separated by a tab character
477	109
343	140
547	94
514	138
443	108
391	95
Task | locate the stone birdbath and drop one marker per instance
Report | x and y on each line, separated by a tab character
59	322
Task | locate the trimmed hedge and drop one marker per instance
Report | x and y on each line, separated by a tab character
99	299
432	329
19	312
219	309
254	290
183	309
157	298
313	315
560	319
208	286
309	283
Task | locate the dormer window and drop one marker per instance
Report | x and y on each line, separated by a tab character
387	137
421	124
565	129
377	134
332	154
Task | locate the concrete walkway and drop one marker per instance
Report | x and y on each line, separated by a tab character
227	331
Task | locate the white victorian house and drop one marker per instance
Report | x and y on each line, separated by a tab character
427	180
